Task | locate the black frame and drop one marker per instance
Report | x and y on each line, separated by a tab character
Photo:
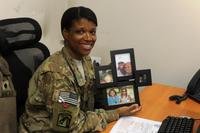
115	54
104	69
103	99
143	77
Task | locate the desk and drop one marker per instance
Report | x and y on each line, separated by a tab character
157	106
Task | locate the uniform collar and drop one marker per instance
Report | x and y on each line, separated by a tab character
81	81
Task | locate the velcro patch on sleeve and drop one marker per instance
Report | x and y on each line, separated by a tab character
68	97
64	119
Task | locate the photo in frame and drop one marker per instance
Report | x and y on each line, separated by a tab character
143	77
123	63
123	93
104	76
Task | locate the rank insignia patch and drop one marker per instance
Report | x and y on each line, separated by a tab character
64	119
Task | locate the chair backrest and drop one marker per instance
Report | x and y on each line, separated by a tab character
20	46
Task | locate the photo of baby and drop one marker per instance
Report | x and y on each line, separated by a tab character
106	76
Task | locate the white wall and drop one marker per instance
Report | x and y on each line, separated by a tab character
47	12
164	33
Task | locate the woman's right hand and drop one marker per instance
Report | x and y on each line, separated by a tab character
128	110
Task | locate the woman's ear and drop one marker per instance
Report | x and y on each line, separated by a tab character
65	34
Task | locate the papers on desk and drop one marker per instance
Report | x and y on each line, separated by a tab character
132	124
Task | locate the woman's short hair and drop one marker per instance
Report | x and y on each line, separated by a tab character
76	13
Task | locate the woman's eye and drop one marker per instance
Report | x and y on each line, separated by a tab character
93	32
79	31
82	31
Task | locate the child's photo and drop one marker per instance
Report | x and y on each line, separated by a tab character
106	76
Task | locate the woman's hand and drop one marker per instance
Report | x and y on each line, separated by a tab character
128	110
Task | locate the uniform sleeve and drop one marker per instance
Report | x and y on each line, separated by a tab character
63	105
109	115
97	121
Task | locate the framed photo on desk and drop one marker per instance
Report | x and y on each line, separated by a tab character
123	64
121	94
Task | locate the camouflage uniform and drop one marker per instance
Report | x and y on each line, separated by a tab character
61	100
6	85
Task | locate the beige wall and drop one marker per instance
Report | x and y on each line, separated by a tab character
165	34
46	12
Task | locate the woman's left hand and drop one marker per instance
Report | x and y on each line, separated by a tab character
128	110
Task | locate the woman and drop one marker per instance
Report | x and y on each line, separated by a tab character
60	97
125	98
113	99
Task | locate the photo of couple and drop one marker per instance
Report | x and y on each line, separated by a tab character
124	69
123	65
120	95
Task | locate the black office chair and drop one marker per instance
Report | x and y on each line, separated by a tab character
20	46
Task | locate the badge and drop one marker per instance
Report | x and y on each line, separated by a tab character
64	119
68	97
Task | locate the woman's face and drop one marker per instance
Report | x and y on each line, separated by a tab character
81	37
112	93
124	92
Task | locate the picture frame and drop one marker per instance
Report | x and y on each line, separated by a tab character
104	76
123	64
122	94
143	77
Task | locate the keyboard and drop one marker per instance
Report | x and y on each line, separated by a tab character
173	124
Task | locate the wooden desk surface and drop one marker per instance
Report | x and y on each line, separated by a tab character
157	106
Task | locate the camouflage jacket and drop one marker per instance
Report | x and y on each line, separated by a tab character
61	100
